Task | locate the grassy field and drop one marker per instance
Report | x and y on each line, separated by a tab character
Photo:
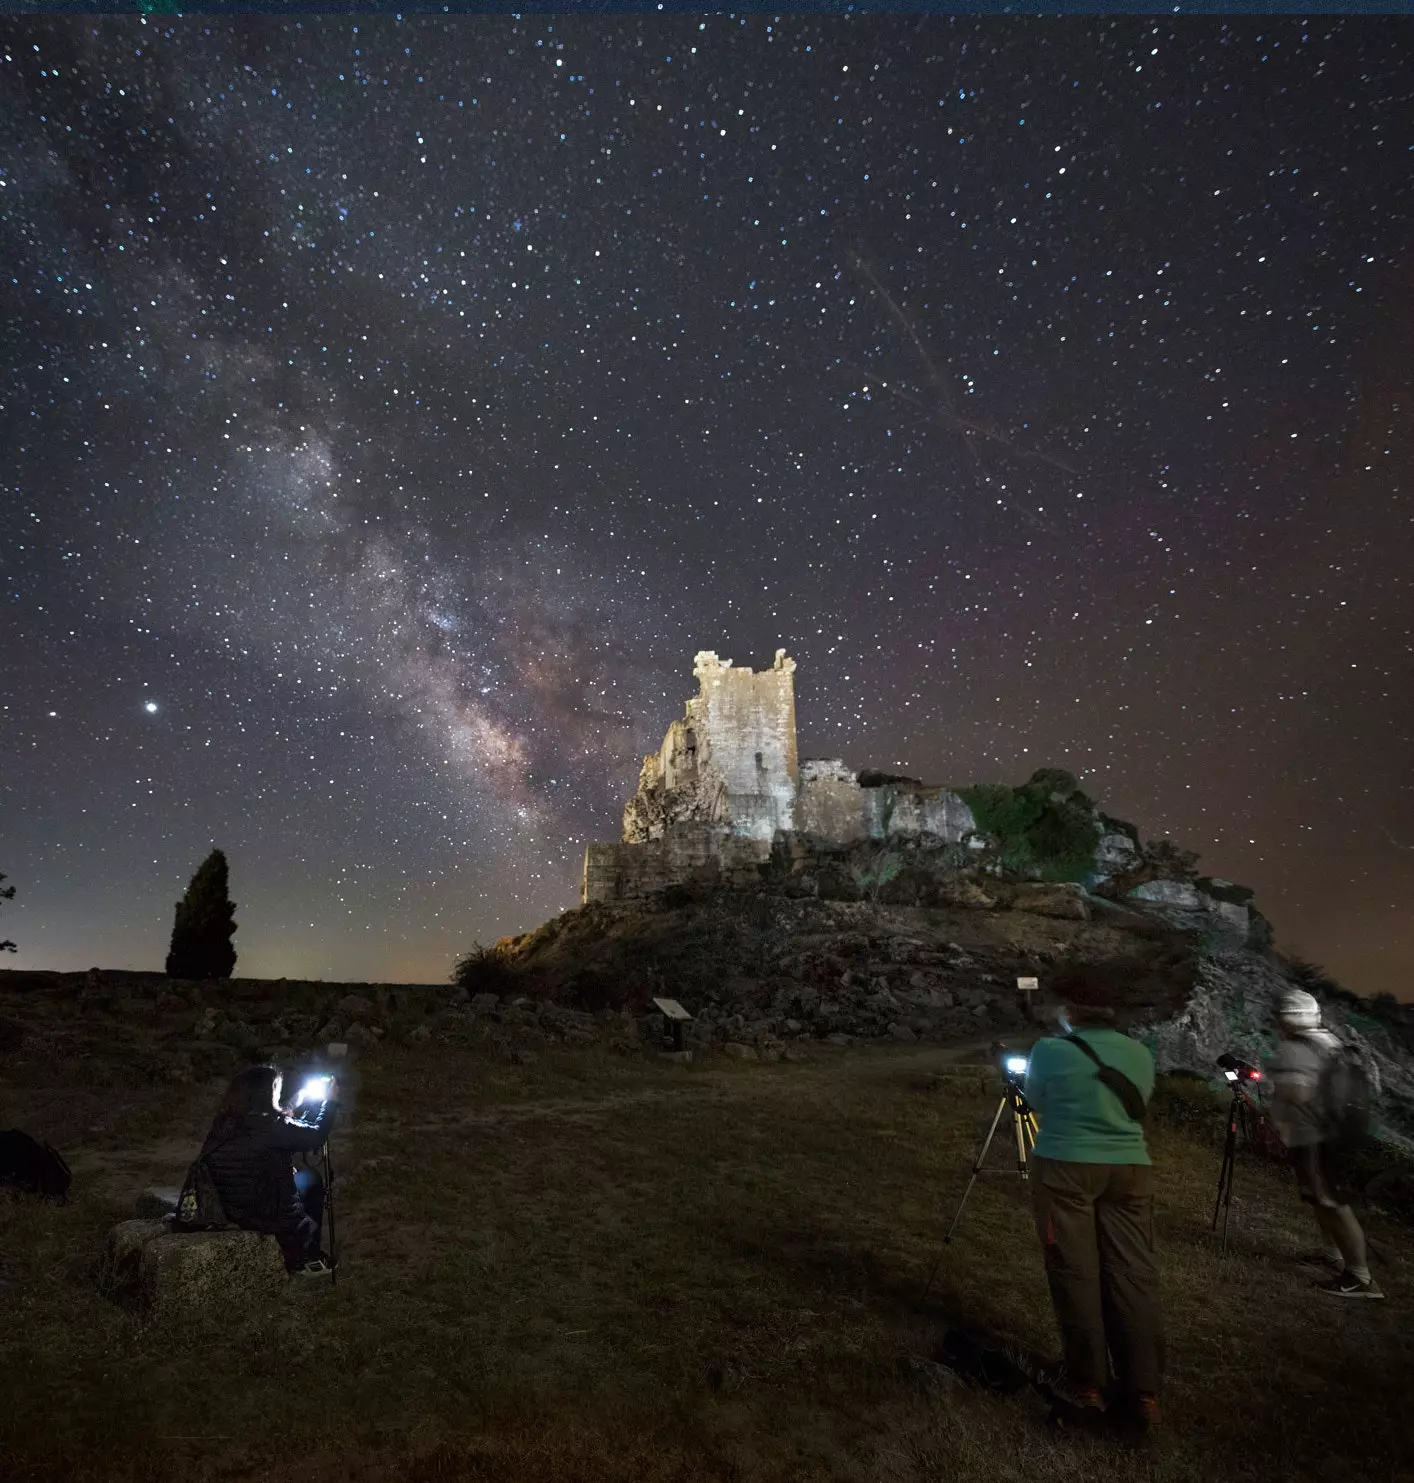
598	1267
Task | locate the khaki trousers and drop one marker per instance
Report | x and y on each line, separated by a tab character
1096	1223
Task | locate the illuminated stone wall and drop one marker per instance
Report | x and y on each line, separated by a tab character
727	782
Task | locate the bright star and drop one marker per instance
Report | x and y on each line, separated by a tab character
150	706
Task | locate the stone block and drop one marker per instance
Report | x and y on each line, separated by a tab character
739	1052
1053	899
151	1266
156	1201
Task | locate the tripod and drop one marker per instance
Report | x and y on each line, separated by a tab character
1237	1118
1023	1123
327	1173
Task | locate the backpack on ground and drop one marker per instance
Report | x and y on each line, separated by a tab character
33	1167
1343	1098
1130	1097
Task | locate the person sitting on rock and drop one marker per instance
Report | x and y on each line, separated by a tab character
248	1155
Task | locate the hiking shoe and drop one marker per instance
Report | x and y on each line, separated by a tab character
1348	1285
1136	1420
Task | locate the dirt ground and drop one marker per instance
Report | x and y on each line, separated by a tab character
606	1267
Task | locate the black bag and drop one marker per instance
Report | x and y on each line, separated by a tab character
32	1166
1130	1097
199	1205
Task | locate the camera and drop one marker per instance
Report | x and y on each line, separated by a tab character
1237	1070
1013	1063
313	1098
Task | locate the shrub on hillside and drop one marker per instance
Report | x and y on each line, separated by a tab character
1183	1099
483	970
1045	828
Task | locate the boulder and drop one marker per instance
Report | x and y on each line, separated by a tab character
483	1003
356	1007
1053	899
151	1266
900	1031
1115	853
1169	893
1232	915
739	1052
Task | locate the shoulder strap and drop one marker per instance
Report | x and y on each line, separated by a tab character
1130	1097
1085	1046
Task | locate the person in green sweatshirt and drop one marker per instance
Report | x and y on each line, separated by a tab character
1093	1201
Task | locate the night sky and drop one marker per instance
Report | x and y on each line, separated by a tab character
390	410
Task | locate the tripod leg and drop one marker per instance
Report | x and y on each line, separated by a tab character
1018	1119
976	1170
1226	1173
329	1215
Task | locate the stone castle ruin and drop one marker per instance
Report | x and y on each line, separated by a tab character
727	786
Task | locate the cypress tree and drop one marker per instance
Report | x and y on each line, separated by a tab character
204	925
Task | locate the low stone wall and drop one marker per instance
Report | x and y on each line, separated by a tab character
686	852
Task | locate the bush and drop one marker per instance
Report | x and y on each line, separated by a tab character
1168	861
1183	1099
1225	891
484	971
1046	827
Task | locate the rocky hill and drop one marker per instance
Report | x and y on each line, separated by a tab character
833	951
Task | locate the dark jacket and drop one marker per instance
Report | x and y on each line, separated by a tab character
252	1166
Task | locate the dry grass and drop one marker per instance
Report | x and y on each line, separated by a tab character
598	1268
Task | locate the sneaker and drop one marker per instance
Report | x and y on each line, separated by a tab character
318	1266
1348	1285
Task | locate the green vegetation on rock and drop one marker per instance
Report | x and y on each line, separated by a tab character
1045	828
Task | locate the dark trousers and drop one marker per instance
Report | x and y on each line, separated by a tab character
1096	1223
299	1235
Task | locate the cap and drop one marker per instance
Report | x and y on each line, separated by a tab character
1300	1010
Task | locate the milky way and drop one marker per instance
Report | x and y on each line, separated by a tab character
392	408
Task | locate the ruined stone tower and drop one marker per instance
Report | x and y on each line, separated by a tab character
727	783
730	760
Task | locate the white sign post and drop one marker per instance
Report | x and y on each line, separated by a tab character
676	1016
1027	987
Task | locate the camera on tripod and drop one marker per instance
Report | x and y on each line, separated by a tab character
312	1100
1243	1116
1011	1063
1236	1070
